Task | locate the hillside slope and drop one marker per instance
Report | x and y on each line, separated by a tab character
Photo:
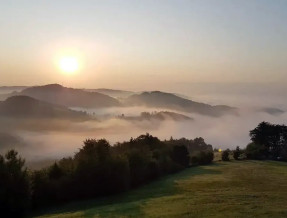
160	116
27	107
171	101
69	97
234	189
112	92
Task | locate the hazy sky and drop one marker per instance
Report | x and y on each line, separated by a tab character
138	44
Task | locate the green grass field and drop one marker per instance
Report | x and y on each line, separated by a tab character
232	189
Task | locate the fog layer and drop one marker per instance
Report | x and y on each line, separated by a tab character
40	140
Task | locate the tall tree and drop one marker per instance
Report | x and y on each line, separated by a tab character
14	185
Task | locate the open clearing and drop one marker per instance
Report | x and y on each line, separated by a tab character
223	189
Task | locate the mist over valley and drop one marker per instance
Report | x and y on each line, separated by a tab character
52	121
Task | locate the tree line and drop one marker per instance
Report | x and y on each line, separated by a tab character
97	169
268	142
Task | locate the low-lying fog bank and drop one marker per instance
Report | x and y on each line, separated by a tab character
44	140
64	139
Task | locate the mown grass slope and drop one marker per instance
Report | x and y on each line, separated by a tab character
224	189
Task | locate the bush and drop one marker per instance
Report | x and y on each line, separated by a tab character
180	155
195	159
202	157
138	162
225	155
256	151
236	153
242	156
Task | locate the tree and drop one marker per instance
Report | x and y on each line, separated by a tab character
225	155
94	150
261	134
180	155
14	185
270	139
269	136
256	151
202	157
236	153
55	172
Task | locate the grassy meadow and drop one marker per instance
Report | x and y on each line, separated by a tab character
223	189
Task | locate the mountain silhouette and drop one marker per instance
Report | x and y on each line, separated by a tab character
112	92
161	116
57	94
174	102
27	107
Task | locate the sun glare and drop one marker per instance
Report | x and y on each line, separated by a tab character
69	64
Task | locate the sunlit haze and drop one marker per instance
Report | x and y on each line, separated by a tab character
69	64
151	108
128	44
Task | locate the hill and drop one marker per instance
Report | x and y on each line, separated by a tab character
7	141
112	92
9	89
232	189
174	102
272	111
27	107
69	97
160	116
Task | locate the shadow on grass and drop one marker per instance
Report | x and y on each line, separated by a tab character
131	201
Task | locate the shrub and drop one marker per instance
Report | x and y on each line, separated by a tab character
180	155
202	157
195	159
236	153
225	155
256	151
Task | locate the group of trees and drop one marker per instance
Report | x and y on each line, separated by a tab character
200	152
237	154
269	141
97	169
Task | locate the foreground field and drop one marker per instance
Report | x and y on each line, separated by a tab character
234	189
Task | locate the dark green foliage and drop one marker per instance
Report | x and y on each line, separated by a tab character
195	160
243	155
236	153
256	151
202	157
55	172
14	185
193	146
225	155
269	142
180	155
138	162
97	169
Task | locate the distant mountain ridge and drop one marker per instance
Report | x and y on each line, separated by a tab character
160	116
272	111
28	107
112	92
11	88
172	101
10	141
57	94
90	98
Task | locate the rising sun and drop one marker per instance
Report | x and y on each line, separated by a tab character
69	64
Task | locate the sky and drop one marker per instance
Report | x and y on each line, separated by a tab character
150	44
